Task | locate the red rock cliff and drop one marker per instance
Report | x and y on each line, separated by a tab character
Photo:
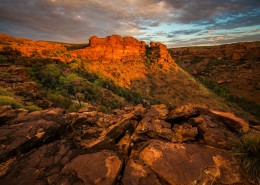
117	48
113	48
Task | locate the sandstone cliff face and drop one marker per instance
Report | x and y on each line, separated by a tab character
112	48
117	48
124	59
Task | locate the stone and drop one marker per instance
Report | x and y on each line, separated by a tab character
138	174
184	132
182	112
39	165
158	111
154	128
26	132
108	136
139	111
124	144
7	113
214	133
190	164
233	122
100	168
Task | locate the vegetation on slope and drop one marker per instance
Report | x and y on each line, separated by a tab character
247	151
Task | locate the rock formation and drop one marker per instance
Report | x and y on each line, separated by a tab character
117	48
132	146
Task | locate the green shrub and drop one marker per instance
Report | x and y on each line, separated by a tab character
103	108
72	108
59	100
32	108
50	76
7	100
248	152
1	59
4	92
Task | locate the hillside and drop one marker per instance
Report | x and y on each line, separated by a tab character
116	111
231	70
113	63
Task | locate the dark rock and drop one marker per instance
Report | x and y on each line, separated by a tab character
184	132
183	112
154	128
25	133
158	111
136	173
191	164
40	165
98	168
233	122
214	133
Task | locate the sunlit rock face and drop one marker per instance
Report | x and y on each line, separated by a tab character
117	48
113	48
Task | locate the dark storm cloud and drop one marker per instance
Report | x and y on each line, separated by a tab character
76	20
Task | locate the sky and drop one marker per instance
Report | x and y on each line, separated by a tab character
175	23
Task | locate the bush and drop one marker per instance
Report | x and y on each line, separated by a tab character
58	100
248	152
7	100
4	92
103	109
32	108
1	59
50	76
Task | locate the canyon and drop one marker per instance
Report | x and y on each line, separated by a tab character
116	111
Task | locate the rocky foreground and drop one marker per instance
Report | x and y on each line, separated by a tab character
133	146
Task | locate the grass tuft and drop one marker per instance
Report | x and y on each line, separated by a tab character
248	152
32	108
6	100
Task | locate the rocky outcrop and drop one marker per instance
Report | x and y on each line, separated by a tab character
132	146
116	48
112	48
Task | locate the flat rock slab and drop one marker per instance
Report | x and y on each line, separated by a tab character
99	168
136	173
23	134
179	164
40	166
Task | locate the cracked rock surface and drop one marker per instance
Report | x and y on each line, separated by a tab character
132	146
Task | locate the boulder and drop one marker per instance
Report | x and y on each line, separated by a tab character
7	113
184	132
183	112
158	111
233	122
154	128
213	132
40	166
23	134
136	173
100	168
190	164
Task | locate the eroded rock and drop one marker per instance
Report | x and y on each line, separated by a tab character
40	165
100	168
190	164
214	133
233	122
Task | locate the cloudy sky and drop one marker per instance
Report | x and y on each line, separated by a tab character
173	22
